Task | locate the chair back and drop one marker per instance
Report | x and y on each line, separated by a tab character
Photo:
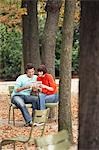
39	119
58	141
10	88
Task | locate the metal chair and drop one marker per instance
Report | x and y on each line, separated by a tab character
58	141
40	118
53	110
13	106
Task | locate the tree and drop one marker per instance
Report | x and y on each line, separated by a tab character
49	35
11	14
89	77
65	69
30	33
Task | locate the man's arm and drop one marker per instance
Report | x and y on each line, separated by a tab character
19	84
22	88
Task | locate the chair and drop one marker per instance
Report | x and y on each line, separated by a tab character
40	119
58	141
53	110
13	106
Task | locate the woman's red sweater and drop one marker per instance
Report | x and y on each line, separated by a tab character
48	80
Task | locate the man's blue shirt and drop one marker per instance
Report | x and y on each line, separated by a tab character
24	80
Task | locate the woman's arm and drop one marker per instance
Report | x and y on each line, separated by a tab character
46	87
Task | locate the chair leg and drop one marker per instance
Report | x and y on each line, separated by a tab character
32	113
13	117
26	146
9	115
53	113
0	146
14	145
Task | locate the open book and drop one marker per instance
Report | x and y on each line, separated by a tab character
34	84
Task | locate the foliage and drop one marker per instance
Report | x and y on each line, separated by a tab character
10	16
11	58
75	51
10	51
41	21
12	13
58	50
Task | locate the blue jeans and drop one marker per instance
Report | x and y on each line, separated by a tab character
21	100
44	98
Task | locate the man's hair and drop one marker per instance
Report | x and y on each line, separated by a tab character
29	66
42	68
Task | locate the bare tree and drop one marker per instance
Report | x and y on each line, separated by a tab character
49	35
65	69
30	33
89	76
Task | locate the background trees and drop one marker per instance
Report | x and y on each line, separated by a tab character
11	16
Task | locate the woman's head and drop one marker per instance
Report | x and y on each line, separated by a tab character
42	70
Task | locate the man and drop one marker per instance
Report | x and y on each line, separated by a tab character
21	94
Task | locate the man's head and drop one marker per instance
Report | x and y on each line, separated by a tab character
30	70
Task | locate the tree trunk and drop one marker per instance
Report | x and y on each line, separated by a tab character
49	35
65	69
89	77
30	34
0	65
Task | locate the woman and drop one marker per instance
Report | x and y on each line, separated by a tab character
48	88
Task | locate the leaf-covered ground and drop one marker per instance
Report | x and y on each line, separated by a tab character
8	130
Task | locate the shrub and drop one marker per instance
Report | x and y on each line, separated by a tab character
75	51
10	52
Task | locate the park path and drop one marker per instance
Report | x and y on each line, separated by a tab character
4	86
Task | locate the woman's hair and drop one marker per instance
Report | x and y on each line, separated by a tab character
29	66
42	68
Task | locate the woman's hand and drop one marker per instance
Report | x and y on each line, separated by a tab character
46	87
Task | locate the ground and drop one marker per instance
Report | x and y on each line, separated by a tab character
8	130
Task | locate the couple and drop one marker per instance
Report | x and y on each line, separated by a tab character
21	94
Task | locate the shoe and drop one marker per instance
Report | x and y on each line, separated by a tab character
38	124
28	124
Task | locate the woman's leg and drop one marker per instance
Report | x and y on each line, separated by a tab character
43	98
42	101
53	98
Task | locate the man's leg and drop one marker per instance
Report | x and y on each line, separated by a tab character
19	102
32	100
